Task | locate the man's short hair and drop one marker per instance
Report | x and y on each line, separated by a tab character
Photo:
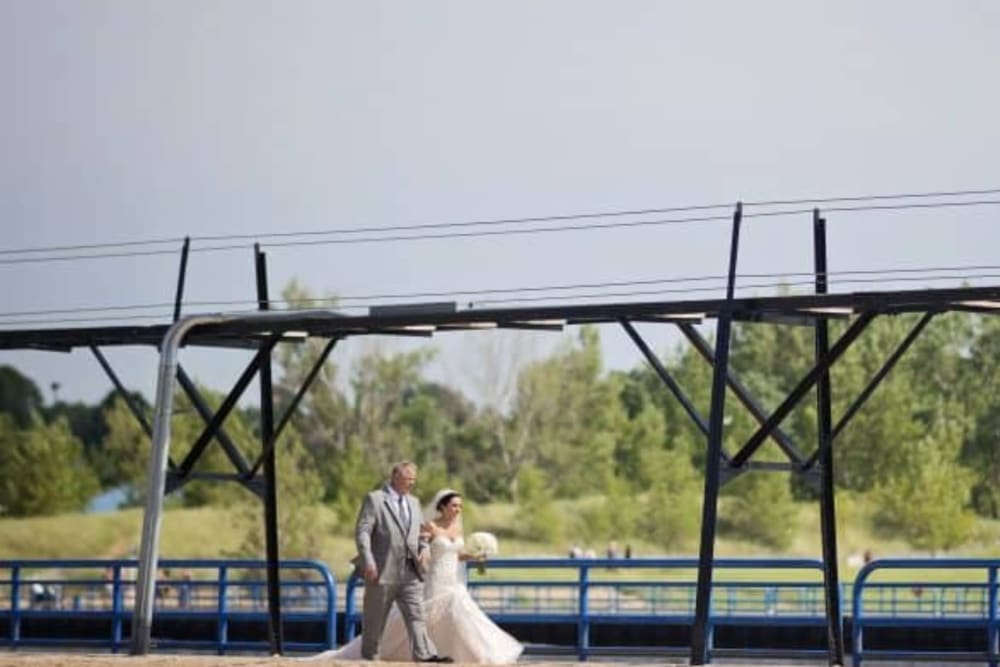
399	467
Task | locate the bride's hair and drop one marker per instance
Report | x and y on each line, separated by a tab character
441	498
445	499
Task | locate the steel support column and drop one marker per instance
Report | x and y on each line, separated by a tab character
827	505
274	626
709	512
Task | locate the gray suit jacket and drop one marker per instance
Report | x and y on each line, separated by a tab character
386	540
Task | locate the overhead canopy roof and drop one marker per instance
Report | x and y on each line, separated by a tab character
241	330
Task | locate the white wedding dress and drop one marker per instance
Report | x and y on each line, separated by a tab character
455	623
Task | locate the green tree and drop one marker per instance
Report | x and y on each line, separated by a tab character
760	508
42	469
300	490
670	508
538	518
981	450
564	419
324	416
926	498
19	396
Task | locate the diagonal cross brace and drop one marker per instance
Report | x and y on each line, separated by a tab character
120	388
227	406
783	440
290	410
668	380
872	385
804	385
232	452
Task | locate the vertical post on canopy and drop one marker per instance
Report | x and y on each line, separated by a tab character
274	626
713	461
828	522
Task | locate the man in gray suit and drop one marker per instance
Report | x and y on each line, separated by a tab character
392	558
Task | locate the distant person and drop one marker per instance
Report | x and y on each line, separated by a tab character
44	596
575	551
628	551
867	556
184	589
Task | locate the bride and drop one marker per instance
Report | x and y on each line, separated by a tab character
456	624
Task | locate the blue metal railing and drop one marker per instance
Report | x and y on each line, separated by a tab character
581	593
927	603
598	594
215	591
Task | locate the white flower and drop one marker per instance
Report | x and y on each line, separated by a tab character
481	545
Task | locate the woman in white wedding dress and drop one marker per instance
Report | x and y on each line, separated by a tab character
456	624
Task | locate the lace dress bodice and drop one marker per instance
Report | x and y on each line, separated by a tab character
443	573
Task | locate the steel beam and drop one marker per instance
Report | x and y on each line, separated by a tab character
228	446
783	440
290	410
911	337
804	385
274	625
665	376
709	514
181	276
227	406
827	505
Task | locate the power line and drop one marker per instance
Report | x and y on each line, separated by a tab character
512	232
495	222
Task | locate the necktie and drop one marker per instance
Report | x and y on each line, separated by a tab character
403	515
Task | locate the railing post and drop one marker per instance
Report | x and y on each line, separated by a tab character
116	606
992	630
15	605
350	607
330	584
222	623
583	623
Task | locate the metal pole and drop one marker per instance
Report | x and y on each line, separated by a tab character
181	275
709	510
828	523
142	620
275	635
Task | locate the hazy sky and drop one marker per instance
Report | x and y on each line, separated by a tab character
134	119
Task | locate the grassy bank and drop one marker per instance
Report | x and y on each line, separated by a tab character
211	532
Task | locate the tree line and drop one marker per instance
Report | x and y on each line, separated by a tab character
564	428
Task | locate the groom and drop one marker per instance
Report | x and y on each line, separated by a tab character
391	558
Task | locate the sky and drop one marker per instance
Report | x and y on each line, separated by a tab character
135	120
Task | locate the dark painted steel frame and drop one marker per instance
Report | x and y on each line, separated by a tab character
797	310
824	419
274	625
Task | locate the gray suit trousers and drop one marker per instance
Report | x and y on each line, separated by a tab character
409	597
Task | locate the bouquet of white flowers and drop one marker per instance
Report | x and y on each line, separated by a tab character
481	546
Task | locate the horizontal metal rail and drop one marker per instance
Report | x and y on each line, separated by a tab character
589	592
219	592
228	596
927	603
